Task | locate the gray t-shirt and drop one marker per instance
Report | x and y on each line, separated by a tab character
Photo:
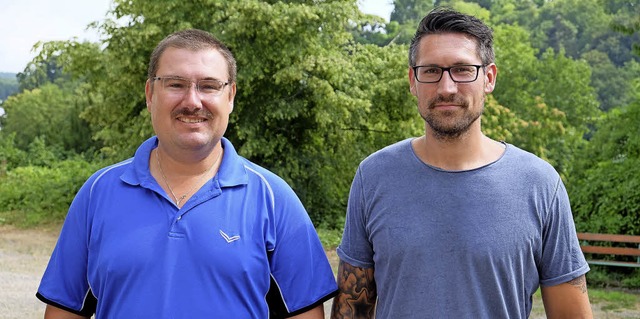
460	244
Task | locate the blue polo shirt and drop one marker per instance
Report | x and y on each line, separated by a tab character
243	246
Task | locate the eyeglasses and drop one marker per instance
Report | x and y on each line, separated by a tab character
463	73
180	86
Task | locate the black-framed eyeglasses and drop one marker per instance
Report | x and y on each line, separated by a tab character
462	73
180	86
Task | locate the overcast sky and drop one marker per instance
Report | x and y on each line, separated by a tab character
25	22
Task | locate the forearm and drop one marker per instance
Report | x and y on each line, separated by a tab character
52	312
357	293
315	313
567	300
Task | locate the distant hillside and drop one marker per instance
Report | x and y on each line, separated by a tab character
5	75
8	85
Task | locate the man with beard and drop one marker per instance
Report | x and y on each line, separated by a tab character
453	224
187	228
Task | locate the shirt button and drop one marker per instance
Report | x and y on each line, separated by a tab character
179	217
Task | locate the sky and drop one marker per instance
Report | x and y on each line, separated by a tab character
25	22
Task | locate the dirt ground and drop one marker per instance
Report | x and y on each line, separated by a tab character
23	258
24	254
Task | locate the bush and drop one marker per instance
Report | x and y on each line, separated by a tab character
33	195
10	156
633	281
613	277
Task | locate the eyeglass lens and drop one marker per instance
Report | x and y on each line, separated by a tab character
458	73
181	86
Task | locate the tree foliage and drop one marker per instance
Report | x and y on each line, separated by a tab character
321	86
605	187
33	194
8	86
50	114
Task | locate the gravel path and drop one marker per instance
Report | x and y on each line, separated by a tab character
23	257
24	254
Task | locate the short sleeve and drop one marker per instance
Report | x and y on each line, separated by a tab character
355	248
302	277
64	283
562	258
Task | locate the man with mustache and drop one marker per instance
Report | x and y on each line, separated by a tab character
453	224
187	228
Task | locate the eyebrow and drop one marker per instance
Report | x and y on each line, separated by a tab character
183	78
454	64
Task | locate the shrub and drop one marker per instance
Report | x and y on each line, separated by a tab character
33	195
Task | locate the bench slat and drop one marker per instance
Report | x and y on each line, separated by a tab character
610	250
610	237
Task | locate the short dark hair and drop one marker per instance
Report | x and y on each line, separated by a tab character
446	20
196	40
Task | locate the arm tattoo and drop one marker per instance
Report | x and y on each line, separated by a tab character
579	283
357	294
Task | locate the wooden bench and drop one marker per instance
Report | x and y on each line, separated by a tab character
586	244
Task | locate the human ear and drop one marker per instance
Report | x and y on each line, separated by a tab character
412	82
491	72
148	93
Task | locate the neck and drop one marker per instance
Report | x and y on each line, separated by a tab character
180	179
186	163
467	151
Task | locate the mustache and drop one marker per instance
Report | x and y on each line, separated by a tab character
453	99
192	112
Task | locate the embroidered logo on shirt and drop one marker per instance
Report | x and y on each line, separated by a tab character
228	238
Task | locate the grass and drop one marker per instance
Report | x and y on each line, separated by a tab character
614	300
606	303
22	219
330	238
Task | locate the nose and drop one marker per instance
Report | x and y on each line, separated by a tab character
446	85
192	97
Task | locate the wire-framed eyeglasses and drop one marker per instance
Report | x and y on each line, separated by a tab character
180	86
463	73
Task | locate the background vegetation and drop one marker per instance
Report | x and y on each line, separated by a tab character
8	85
321	86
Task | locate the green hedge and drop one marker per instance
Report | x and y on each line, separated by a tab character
33	195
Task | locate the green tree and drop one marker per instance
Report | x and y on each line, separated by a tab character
614	85
579	26
564	83
10	156
626	20
49	113
8	86
410	11
514	12
605	188
552	95
40	72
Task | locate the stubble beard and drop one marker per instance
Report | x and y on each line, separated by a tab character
445	125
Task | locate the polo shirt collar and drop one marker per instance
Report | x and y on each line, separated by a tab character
232	171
